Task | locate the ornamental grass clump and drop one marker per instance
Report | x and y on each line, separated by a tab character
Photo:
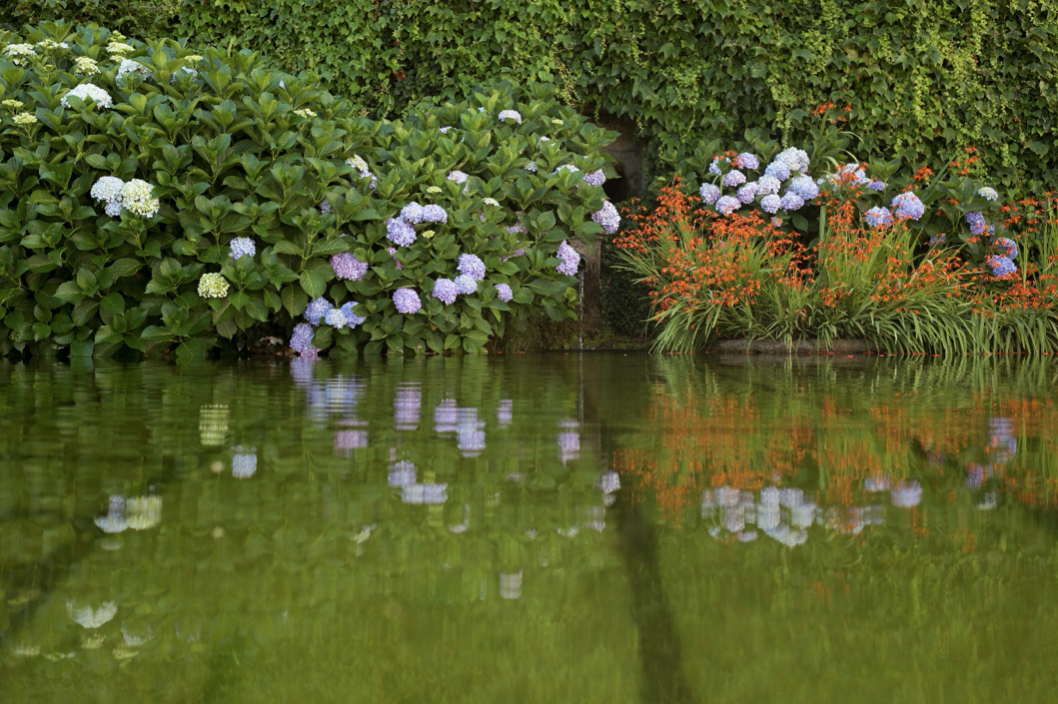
171	199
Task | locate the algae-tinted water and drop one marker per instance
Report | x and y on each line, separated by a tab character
568	528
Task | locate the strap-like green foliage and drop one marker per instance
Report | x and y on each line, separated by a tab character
924	79
233	149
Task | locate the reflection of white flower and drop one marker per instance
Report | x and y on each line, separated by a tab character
424	494
27	650
135	641
212	424
907	494
610	482
402	474
143	512
511	585
88	617
243	462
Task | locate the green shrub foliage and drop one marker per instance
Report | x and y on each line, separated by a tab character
188	198
923	79
138	18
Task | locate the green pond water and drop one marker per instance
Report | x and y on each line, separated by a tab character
558	528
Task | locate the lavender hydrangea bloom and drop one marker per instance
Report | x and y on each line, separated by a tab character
1001	266
399	232
1009	245
348	267
940	238
852	173
406	301
778	170
747	193
791	201
725	205
411	213
472	266
714	168
876	185
530	166
734	177
301	338
466	284
878	217
570	259
510	115
794	158
976	221
745	160
607	218
434	213
504	293
595	178
351	318
445	290
770	203
709	193
335	318
457	176
241	247
988	193
768	185
317	309
908	206
804	186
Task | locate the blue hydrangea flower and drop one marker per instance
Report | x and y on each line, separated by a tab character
734	177
1009	246
399	232
768	185
791	201
714	167
745	160
803	186
301	338
725	205
351	318
595	178
976	221
406	301
242	247
794	158
747	193
778	170
434	213
472	266
335	318
348	267
709	193
878	217
316	309
411	213
770	203
504	293
876	185
570	259
988	193
466	284
445	290
607	218
908	206
1001	266
852	173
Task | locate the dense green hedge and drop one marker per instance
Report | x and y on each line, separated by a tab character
144	19
924	79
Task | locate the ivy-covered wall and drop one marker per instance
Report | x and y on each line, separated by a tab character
924	78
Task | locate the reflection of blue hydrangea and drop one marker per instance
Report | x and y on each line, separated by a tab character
1001	266
908	206
504	293
1009	246
445	290
734	177
768	185
316	309
770	203
747	193
726	205
778	170
242	247
791	201
804	186
876	185
351	318
466	284
472	266
709	193
399	232
745	160
988	193
976	221
878	217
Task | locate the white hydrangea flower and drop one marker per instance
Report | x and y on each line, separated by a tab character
212	286
305	112
193	58
25	119
12	104
49	44
357	162
491	201
433	190
86	91
183	70
108	188
119	48
113	209
19	53
137	197
85	66
129	66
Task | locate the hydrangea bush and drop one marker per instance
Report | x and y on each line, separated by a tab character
163	197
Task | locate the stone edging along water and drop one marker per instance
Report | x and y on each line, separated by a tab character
775	347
